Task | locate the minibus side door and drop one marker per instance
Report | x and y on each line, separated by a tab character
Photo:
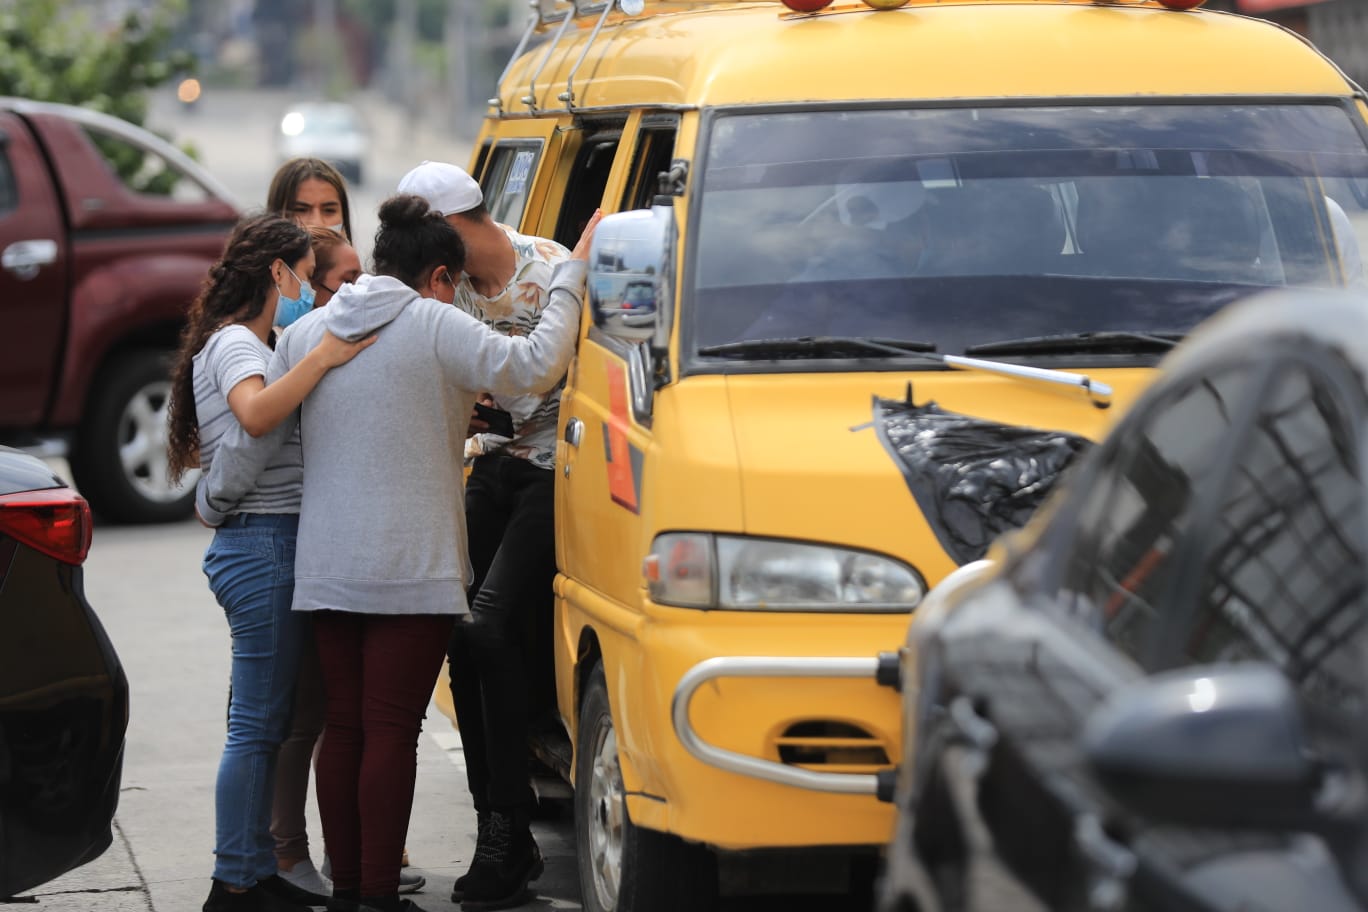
605	431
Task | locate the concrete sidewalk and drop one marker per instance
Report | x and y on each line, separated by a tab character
146	585
441	839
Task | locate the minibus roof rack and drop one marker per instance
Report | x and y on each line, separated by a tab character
559	14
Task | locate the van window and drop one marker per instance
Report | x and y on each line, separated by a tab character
973	228
587	181
654	152
508	180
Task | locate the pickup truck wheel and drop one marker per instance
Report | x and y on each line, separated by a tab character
624	868
119	457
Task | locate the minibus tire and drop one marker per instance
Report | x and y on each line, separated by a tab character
653	872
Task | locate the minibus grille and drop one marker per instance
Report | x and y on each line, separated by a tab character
833	746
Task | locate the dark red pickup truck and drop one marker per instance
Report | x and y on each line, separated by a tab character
96	272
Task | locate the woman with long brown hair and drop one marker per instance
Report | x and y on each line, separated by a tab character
312	192
261	281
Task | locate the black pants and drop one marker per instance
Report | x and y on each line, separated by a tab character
501	654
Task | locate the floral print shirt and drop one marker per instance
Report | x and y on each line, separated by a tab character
514	312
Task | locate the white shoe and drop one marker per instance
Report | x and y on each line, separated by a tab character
410	883
307	878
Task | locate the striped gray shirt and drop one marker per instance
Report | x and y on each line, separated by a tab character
231	355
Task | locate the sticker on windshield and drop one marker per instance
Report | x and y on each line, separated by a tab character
521	170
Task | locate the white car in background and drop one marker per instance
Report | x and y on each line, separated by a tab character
332	131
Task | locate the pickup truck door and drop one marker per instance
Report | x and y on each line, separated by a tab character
33	277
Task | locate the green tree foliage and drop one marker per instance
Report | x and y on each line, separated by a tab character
55	53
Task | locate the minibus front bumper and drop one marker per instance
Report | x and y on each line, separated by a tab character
883	669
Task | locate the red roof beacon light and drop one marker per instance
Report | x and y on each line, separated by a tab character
806	6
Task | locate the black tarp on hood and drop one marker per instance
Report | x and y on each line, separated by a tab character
973	479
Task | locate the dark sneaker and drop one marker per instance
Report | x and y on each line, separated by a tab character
344	900
272	898
387	904
507	863
281	888
221	899
481	824
256	898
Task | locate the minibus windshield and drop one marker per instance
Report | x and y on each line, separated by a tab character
968	228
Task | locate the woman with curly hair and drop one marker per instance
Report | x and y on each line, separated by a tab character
218	383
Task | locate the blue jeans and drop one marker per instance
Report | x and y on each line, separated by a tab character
250	565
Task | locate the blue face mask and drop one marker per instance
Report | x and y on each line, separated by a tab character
290	309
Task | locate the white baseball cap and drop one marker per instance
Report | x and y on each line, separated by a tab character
447	188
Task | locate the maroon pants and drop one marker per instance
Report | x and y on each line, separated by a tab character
378	671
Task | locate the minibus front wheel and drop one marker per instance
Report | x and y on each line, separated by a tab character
622	867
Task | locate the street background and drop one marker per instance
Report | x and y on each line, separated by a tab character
234	133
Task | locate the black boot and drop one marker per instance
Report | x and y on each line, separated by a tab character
481	825
504	866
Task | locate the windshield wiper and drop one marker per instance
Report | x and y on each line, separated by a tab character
1120	340
819	347
843	346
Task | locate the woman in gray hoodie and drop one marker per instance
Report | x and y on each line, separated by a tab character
381	560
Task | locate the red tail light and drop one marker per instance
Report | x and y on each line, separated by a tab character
55	521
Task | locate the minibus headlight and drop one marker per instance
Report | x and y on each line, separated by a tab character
698	570
681	570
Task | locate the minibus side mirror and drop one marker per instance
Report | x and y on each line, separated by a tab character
631	276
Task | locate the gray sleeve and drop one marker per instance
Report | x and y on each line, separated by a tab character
475	357
241	458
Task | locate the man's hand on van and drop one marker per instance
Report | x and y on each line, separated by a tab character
581	251
477	424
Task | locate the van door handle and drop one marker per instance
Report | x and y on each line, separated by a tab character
574	433
24	258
